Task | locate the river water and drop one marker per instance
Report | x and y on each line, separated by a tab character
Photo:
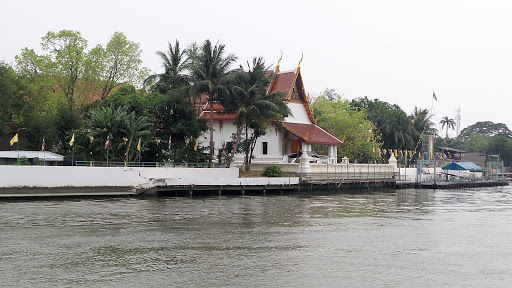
402	238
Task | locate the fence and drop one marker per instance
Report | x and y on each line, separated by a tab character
147	164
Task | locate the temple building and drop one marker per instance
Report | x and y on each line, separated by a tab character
298	131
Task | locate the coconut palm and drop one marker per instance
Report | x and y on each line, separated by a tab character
135	128
421	124
248	100
174	62
106	122
271	111
449	123
209	70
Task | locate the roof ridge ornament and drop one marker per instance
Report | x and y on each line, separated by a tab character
300	59
279	63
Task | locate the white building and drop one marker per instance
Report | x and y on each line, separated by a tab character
298	131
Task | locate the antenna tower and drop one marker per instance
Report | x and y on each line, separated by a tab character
457	121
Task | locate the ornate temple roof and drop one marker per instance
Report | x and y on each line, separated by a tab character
311	134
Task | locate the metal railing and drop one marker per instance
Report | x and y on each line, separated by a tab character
147	164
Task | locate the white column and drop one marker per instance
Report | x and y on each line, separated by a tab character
333	154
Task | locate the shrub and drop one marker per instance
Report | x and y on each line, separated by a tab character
273	170
22	161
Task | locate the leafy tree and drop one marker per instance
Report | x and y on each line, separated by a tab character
475	142
334	114
391	122
14	105
449	123
502	146
63	63
209	69
66	122
175	118
67	68
127	96
487	129
121	63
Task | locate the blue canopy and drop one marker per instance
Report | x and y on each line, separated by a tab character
468	166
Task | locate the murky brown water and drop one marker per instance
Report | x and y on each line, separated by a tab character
407	238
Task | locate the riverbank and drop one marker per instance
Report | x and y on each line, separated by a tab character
17	182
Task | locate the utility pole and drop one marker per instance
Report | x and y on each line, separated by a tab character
457	121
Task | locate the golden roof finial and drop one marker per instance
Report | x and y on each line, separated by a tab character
301	58
279	62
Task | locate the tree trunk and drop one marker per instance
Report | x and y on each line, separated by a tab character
210	161
246	158
253	144
128	151
237	141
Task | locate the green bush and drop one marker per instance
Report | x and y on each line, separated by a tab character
273	170
22	161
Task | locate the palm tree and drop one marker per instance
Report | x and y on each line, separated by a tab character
271	111
449	123
135	128
421	124
248	101
209	70
175	63
106	122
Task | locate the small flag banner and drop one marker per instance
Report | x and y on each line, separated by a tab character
14	139
107	142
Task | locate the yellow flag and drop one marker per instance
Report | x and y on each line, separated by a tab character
14	139
195	146
72	140
138	146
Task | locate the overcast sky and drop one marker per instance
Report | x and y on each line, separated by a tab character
395	51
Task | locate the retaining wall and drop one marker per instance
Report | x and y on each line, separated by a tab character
62	176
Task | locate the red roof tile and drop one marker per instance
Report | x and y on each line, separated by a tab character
218	116
216	107
311	134
283	82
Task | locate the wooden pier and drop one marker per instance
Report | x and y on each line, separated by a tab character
221	190
458	185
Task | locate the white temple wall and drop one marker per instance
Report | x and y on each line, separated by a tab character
299	114
274	141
